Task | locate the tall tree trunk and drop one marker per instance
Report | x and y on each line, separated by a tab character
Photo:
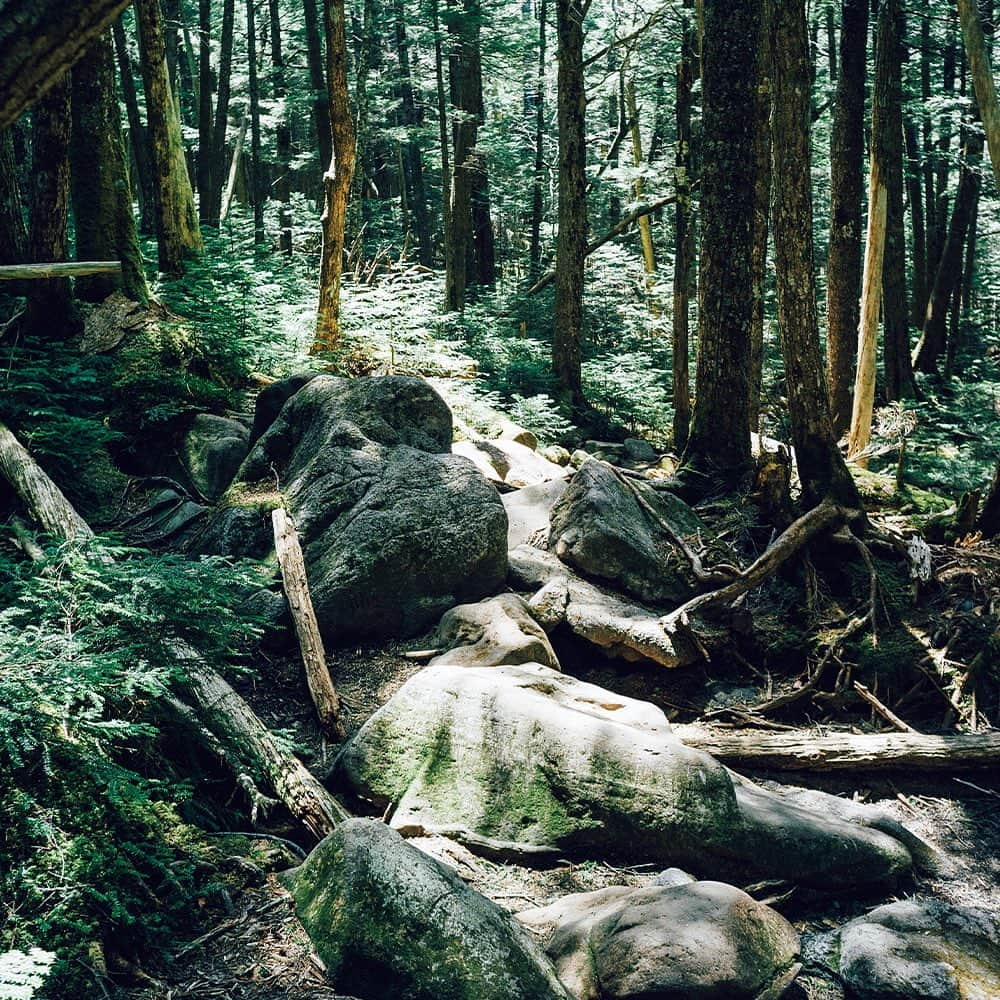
847	150
820	465
283	182
317	79
211	200
205	122
50	308
40	42
761	216
13	231
177	229
684	239
102	201
718	449
482	263
256	164
878	208
138	135
931	243
645	230
336	181
899	383
363	186
982	78
914	195
538	174
831	39
942	172
571	245
413	168
442	108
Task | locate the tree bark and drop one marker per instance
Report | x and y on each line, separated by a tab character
177	229
809	751
442	109
718	449
336	181
538	172
821	467
253	93
899	382
982	78
918	225
40	42
50	308
102	200
13	231
645	230
878	206
989	517
571	245
283	134
211	200
843	272
317	79
206	143
234	168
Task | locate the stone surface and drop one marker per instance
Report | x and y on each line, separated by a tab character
599	528
273	397
523	755
495	631
921	948
214	449
509	462
528	512
556	453
392	923
549	605
693	940
394	528
515	432
638	450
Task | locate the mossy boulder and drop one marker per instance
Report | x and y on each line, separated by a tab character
214	448
524	757
696	941
392	923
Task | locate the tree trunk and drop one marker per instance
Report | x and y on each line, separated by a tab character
927	136
283	182
989	518
410	118
256	164
982	78
50	308
177	229
211	200
363	186
645	229
761	216
899	382
538	173
807	751
942	171
234	169
831	40
317	79
878	206
843	272
40	42
718	450
205	142
571	245
684	240
336	181
822	470
914	196
442	108
13	231
102	201
142	183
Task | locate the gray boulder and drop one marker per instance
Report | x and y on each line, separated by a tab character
528	512
599	528
273	397
696	941
640	451
526	756
395	529
392	923
921	948
214	449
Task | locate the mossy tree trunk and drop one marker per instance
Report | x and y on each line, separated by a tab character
51	311
336	181
102	199
13	231
843	271
571	245
821	467
177	229
718	449
982	78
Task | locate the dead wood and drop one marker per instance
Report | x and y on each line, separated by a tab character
59	269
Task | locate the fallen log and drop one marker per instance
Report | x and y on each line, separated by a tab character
234	729
802	750
293	574
59	269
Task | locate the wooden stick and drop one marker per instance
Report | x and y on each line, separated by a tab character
883	710
804	750
59	269
293	574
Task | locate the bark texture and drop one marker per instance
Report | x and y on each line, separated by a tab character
982	78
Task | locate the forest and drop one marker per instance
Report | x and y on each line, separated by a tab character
499	500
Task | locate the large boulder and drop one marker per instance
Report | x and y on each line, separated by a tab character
214	449
392	923
919	948
528	511
601	529
696	941
526	756
395	529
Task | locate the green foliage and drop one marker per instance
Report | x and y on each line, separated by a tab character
91	843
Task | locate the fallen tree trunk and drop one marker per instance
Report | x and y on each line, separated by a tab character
802	750
247	744
59	269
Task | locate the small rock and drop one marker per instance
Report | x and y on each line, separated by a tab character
549	605
513	432
640	451
578	458
556	454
